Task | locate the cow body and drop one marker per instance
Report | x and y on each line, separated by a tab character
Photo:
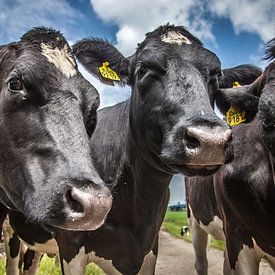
139	144
242	193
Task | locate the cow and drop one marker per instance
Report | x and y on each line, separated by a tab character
47	113
236	203
184	230
167	126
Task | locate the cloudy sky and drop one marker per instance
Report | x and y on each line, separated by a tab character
235	30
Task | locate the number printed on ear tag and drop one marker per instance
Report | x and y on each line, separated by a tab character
234	116
107	72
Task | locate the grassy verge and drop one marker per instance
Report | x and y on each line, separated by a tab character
48	267
175	220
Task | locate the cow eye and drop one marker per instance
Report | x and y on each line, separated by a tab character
142	71
15	85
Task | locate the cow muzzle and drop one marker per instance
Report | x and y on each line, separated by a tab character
206	146
85	210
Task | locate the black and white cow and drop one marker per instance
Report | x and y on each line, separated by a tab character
47	113
242	193
167	126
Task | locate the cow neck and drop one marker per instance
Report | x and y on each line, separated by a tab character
150	180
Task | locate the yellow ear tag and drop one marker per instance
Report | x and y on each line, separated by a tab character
234	116
107	72
236	84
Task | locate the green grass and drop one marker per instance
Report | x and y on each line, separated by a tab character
48	267
175	220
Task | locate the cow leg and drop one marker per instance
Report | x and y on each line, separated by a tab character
13	247
75	266
31	262
199	241
149	263
3	215
248	263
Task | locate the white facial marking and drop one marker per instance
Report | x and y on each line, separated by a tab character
174	37
60	58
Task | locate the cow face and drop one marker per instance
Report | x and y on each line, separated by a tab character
267	100
46	171
170	114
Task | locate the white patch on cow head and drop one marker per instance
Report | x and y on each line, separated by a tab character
60	58
174	37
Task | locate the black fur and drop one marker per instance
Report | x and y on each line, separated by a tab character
270	50
244	74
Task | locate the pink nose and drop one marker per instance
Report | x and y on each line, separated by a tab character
206	146
86	210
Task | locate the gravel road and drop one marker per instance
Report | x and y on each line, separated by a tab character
176	257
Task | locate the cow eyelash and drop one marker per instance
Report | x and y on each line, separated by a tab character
15	85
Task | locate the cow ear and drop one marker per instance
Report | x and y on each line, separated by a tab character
102	60
241	99
243	74
243	96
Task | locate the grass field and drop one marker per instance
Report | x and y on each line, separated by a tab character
48	267
175	220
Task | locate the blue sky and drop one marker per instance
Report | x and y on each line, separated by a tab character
235	30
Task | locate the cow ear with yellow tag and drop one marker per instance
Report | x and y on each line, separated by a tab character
103	60
233	115
108	75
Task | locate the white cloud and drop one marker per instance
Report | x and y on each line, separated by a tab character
247	15
17	17
135	18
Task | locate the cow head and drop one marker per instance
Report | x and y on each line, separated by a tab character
267	100
170	112
254	97
46	171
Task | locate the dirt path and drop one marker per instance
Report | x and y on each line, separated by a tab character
176	257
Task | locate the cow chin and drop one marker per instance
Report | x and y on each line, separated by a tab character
196	170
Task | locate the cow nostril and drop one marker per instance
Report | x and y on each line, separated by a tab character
191	141
73	203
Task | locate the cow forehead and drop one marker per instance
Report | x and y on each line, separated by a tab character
175	37
61	58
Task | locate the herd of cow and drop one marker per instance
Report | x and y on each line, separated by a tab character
93	186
